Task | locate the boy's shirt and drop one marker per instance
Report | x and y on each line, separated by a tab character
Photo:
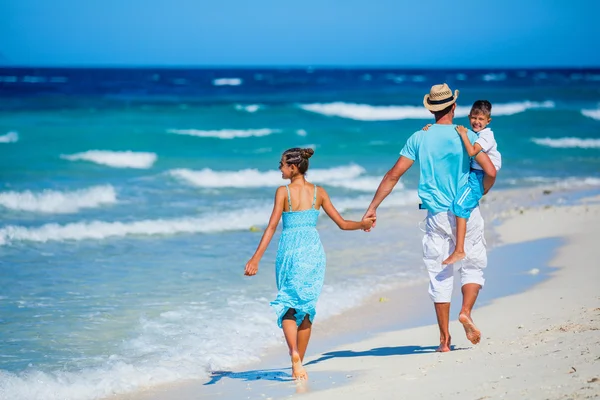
488	145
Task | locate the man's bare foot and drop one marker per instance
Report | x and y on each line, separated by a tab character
473	334
454	257
444	346
298	371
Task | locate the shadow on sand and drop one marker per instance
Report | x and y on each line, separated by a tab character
281	376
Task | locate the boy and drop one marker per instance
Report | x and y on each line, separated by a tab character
469	195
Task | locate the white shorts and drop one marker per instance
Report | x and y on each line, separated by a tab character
438	244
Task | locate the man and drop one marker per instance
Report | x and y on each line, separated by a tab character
444	167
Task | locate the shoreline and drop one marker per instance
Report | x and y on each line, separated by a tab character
269	375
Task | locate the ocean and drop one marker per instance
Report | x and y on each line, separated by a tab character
129	199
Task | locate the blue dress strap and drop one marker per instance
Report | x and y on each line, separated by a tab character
315	197
289	197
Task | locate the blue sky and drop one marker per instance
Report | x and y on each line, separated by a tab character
459	33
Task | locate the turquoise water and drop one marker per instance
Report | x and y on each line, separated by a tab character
127	197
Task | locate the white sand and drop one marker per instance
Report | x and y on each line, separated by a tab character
541	344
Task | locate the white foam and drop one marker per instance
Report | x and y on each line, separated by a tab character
116	159
367	112
225	133
566	183
594	114
494	77
235	220
227	82
568	143
10	137
251	108
173	346
57	202
176	345
517	107
349	177
238	220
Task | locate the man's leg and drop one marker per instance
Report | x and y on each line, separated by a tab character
472	273
469	292
436	247
442	311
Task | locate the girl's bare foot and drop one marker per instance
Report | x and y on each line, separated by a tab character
454	257
298	371
473	334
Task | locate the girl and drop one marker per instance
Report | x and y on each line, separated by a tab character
300	262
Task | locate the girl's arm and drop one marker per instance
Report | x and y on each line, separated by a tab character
472	150
252	265
343	224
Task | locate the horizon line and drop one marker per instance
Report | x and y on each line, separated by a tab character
296	66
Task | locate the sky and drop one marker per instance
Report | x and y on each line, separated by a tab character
386	33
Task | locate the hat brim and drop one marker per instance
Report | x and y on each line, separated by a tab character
439	107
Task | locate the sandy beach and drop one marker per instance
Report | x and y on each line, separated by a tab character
541	343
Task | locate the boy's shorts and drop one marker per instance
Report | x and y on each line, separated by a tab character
469	195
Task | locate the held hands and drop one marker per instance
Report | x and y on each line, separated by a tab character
461	130
251	268
426	127
367	224
369	220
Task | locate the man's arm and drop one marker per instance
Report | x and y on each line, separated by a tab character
387	184
488	168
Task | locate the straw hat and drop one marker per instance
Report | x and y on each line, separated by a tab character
439	97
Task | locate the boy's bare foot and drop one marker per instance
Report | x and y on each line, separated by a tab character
473	334
454	257
444	346
298	371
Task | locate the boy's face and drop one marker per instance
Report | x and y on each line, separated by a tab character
479	121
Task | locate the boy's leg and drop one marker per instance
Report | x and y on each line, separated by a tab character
467	199
459	249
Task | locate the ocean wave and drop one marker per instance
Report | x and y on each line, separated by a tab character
173	346
228	82
176	345
367	112
116	159
563	183
240	220
349	177
10	137
57	202
237	220
568	143
594	114
251	108
494	77
225	133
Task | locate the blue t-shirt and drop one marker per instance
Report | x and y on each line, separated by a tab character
443	163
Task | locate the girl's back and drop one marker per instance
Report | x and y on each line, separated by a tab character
303	196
